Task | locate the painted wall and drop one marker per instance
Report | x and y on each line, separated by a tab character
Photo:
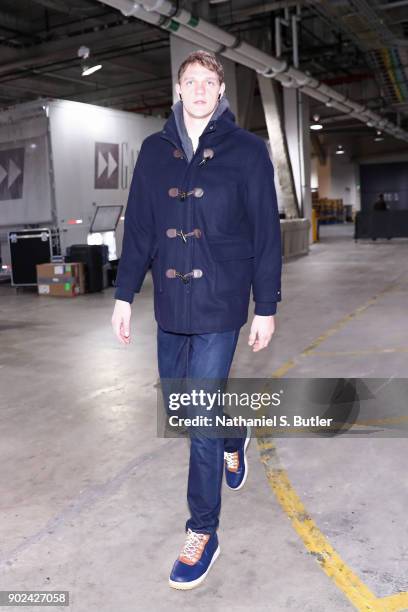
338	178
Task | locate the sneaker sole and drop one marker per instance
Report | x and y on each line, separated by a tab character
185	586
247	441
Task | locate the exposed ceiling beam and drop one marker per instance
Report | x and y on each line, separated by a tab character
135	64
146	101
80	25
15	23
33	88
267	7
69	8
118	36
125	89
62	77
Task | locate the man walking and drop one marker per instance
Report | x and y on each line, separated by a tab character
202	212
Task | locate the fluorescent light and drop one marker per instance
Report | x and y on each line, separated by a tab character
340	150
87	70
88	67
316	125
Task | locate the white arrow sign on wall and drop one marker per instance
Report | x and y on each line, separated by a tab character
13	173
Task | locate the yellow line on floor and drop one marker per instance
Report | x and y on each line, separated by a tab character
402	349
396	420
394	603
317	544
291	363
314	540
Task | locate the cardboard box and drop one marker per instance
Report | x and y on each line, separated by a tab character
61	279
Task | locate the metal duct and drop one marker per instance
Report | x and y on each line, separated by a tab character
182	23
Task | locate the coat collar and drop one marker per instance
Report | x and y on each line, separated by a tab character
222	121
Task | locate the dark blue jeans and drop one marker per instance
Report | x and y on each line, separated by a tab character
207	356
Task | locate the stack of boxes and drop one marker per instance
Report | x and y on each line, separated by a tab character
329	210
61	279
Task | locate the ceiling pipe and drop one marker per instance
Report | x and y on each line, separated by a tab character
276	68
129	8
180	22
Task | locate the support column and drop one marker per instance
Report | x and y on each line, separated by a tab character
306	148
297	129
247	80
285	187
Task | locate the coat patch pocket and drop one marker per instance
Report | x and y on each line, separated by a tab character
233	266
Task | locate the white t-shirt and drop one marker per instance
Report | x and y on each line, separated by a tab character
194	142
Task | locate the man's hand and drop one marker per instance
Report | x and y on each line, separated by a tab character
262	329
121	321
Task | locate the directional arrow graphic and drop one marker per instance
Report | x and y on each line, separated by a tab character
106	161
102	164
13	173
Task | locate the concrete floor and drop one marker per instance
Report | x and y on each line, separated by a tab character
93	502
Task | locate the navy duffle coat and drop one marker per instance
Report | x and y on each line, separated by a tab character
209	228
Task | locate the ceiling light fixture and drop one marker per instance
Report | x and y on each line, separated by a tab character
316	125
87	66
339	150
379	136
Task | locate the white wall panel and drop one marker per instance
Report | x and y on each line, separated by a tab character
94	151
24	173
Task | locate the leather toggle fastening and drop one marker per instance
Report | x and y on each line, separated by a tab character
172	273
175	192
178	154
207	154
173	233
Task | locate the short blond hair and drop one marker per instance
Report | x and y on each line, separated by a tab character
206	59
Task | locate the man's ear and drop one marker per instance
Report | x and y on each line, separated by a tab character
222	90
178	90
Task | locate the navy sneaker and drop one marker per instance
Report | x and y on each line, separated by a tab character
195	560
236	467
